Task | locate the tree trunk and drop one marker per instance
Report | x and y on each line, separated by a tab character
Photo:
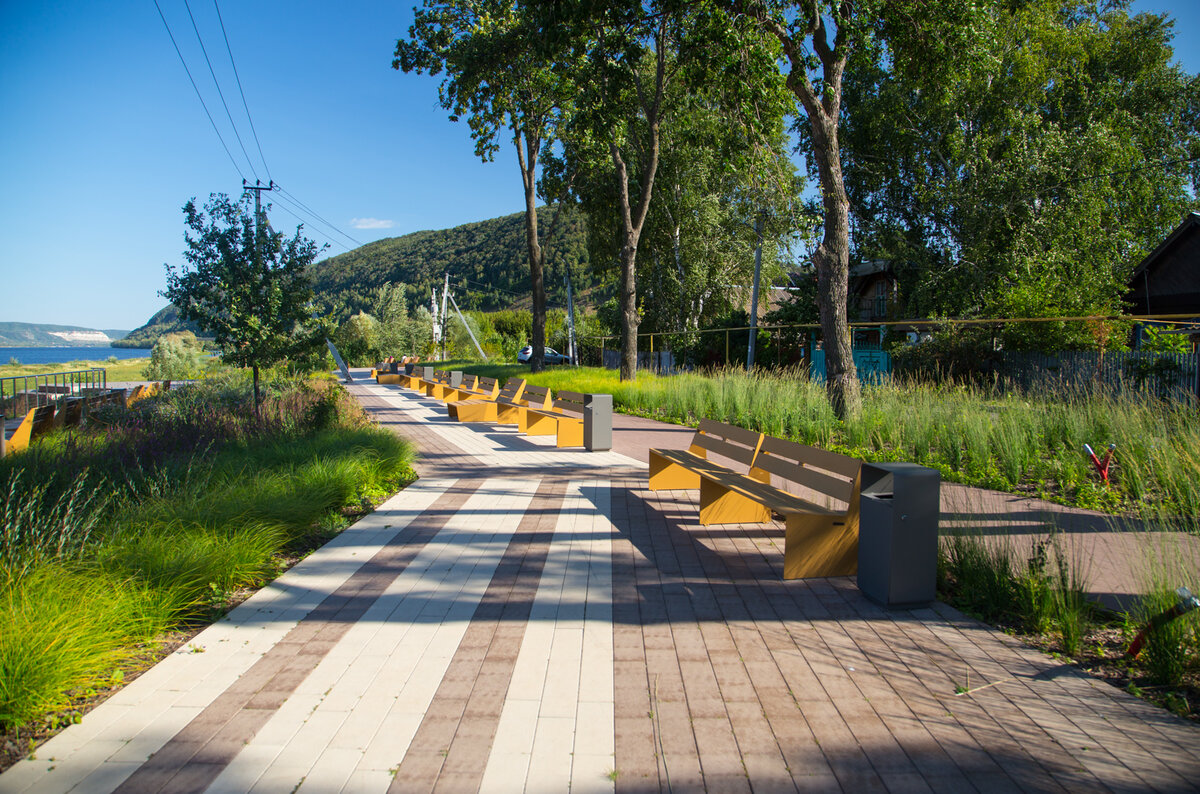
822	106
257	395
832	261
528	161
629	314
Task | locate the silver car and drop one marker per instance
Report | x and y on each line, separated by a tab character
552	356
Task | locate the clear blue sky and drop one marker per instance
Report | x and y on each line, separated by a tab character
103	139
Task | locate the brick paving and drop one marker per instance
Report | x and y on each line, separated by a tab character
531	619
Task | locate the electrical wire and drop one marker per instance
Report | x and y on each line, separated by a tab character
313	213
493	288
284	203
237	77
304	223
217	83
195	88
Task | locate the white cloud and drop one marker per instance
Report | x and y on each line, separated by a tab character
371	223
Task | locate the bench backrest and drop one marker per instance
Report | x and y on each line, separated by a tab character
728	441
817	469
468	382
487	385
571	401
537	397
71	412
512	391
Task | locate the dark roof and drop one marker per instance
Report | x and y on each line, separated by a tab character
1189	224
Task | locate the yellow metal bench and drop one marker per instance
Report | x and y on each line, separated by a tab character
485	409
37	422
478	388
820	540
563	420
534	397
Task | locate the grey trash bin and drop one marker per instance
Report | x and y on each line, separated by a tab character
597	422
898	534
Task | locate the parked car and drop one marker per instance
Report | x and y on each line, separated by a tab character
552	356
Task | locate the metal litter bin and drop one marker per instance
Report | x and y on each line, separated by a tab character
597	422
898	534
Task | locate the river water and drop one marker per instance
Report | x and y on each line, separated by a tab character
61	355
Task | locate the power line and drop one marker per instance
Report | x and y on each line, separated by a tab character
217	83
293	212
240	91
195	88
314	214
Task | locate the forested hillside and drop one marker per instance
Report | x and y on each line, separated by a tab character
165	320
487	262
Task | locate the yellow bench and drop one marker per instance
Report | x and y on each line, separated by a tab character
37	422
563	419
486	409
820	540
513	413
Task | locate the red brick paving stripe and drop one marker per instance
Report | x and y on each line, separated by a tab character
193	758
452	744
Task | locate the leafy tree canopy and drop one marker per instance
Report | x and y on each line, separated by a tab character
1017	159
244	283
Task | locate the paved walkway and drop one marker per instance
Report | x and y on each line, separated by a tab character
525	618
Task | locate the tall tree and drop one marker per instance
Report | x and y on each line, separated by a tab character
500	78
1020	157
817	37
244	283
637	61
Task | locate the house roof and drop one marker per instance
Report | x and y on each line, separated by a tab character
1189	225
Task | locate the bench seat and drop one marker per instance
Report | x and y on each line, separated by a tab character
819	540
487	409
563	420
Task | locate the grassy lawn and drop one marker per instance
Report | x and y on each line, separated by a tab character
154	519
1021	444
124	370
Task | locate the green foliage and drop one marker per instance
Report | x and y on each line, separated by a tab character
357	339
1035	152
245	284
63	628
175	356
487	263
1171	648
1156	340
165	321
1043	594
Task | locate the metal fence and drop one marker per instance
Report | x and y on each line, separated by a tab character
20	393
1170	376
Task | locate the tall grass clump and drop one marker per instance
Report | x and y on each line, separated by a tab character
973	434
1172	649
63	629
1041	594
115	531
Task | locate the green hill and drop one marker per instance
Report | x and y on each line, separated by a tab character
42	335
165	320
488	263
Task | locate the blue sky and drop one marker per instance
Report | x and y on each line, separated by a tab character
104	139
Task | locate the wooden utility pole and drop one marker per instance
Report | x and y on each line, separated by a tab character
258	187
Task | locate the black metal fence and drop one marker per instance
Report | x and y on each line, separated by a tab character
1170	376
20	393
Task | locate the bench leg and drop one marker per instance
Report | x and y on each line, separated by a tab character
819	545
668	476
719	505
508	414
533	424
570	433
477	412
